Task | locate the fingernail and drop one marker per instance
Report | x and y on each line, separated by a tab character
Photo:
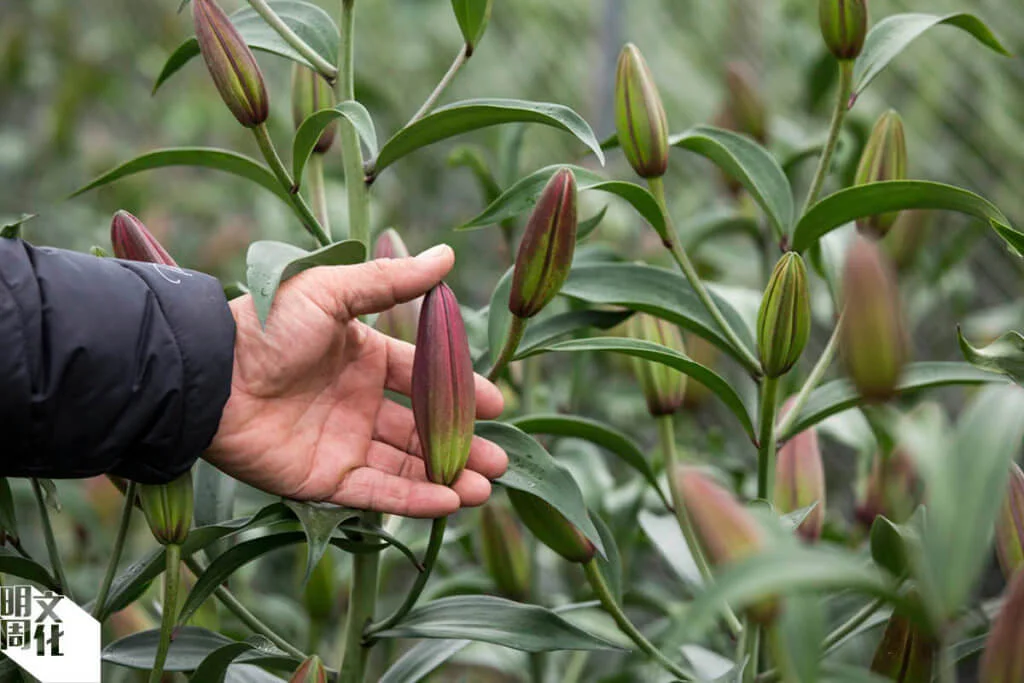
434	252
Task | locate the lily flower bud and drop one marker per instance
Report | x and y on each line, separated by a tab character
546	250
640	116
1003	659
134	242
443	387
1010	525
844	26
746	107
168	509
400	320
894	489
884	158
800	480
231	64
872	339
310	671
905	654
784	319
504	552
310	94
906	237
664	387
321	591
551	528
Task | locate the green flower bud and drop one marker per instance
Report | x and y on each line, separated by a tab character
168	509
844	26
639	115
546	250
310	671
1003	659
133	242
745	105
884	158
551	528
784	320
504	552
312	93
904	240
800	479
872	339
1010	525
400	320
894	489
443	387
905	654
663	387
231	64
320	593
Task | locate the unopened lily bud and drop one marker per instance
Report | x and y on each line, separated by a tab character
664	387
321	591
800	480
546	250
894	489
443	389
746	107
168	509
844	26
905	238
640	116
872	339
310	94
884	158
310	671
504	552
1010	525
905	654
784	319
231	64
400	320
1003	659
551	528
134	242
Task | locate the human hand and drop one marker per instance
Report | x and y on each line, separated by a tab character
307	417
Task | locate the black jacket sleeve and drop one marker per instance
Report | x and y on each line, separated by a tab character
108	366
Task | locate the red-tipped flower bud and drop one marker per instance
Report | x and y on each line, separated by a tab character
905	654
504	552
784	319
310	94
133	242
400	320
873	339
168	509
800	480
844	26
1010	525
884	158
546	250
551	528
894	489
1003	659
443	389
310	671
663	387
745	105
639	115
231	64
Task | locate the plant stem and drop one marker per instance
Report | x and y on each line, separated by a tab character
51	541
318	192
445	81
751	649
747	358
531	378
516	330
600	587
838	114
172	579
766	438
666	430
362	602
298	204
817	372
429	558
850	625
574	669
352	154
115	557
325	68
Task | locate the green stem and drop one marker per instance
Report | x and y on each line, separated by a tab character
429	558
172	579
296	201
600	587
531	378
516	330
837	636
445	81
326	69
51	541
838	114
362	603
766	438
574	669
817	372
318	191
751	649
747	358
538	666
115	557
666	430
352	154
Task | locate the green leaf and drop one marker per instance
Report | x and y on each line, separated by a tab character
13	564
891	545
666	356
588	225
545	330
11	228
270	263
892	35
666	537
499	318
748	163
840	394
469	115
611	564
472	16
8	517
717	224
597	433
490	619
895	195
189	647
422	659
309	22
309	132
318	521
215	665
1004	355
531	469
217	159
